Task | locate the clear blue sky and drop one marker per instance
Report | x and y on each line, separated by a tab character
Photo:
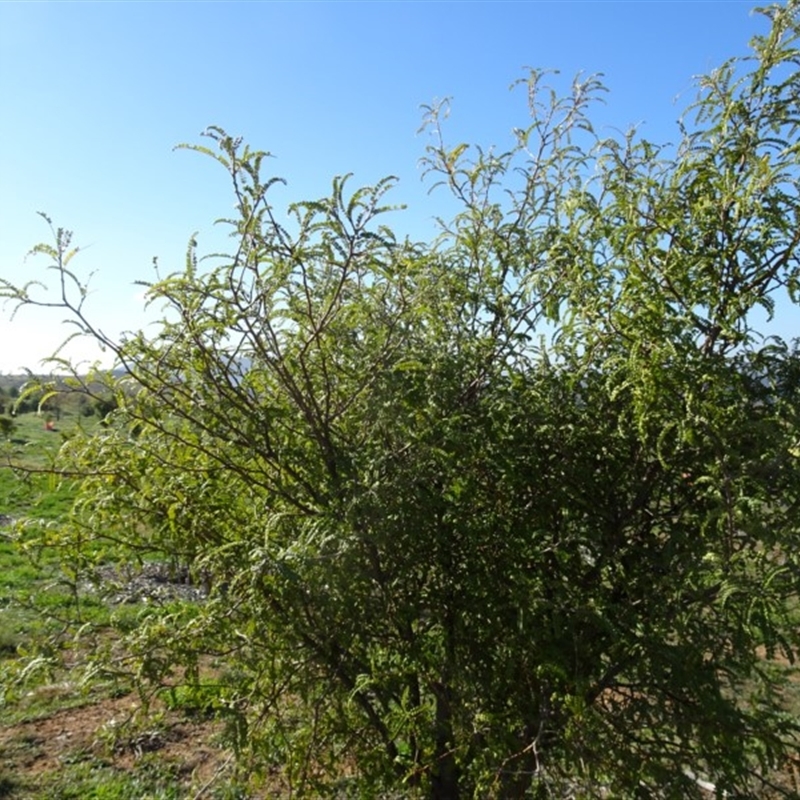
96	94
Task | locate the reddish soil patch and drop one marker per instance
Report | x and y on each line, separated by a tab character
33	748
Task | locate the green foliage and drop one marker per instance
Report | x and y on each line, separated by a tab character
93	778
512	514
6	427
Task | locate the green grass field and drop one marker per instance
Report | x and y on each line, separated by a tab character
67	738
29	581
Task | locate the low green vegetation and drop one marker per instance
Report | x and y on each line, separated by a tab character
31	587
64	733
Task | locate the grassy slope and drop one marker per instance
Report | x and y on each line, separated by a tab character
59	739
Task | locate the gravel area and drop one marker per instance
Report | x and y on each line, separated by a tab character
155	582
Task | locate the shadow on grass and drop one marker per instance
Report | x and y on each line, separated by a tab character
7	786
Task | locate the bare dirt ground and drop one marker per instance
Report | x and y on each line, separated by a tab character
33	750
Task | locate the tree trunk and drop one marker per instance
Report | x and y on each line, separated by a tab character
444	776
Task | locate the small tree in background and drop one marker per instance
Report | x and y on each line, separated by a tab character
7	426
450	556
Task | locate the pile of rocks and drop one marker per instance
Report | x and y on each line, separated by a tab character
153	582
